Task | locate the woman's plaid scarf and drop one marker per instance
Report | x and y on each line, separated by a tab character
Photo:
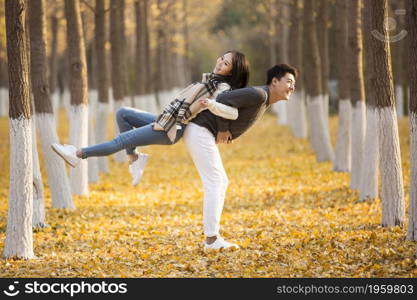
182	109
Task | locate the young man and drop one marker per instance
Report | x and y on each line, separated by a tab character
206	130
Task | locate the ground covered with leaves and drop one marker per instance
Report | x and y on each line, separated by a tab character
292	217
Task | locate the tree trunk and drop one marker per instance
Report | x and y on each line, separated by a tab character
357	94
342	162
370	157
53	69
4	98
186	43
140	57
102	80
278	29
79	94
323	39
412	61
116	63
392	193
398	59
181	68
144	84
116	60
45	122
93	172
296	106
123	51
320	137
19	239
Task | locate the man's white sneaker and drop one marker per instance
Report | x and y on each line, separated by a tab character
219	243
68	153
136	168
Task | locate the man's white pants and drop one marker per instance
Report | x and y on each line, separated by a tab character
203	149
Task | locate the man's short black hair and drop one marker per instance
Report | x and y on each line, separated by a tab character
279	71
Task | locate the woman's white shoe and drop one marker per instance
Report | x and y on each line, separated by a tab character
67	152
136	168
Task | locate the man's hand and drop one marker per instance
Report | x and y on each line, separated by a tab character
224	137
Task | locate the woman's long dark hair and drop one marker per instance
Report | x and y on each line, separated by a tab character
240	70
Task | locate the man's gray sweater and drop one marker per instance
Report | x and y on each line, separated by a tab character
251	103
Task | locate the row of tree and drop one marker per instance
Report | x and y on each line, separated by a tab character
367	139
296	32
31	75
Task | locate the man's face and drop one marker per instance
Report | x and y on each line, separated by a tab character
284	87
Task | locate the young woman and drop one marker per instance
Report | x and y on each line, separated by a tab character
139	128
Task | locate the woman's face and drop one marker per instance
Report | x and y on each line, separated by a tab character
224	65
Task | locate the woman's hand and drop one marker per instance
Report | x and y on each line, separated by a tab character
204	102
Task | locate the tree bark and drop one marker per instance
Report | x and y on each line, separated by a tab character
342	162
399	59
102	78
320	138
19	239
323	39
370	158
116	63
123	51
186	35
79	93
53	65
412	62
45	122
392	193
296	106
140	72
357	93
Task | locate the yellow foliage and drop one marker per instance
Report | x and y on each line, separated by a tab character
292	216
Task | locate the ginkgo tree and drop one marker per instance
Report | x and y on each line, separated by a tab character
19	240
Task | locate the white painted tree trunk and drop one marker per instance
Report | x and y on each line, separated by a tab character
66	101
320	137
399	101
326	99
274	110
342	162
392	187
298	114
38	216
120	156
19	239
55	97
358	141
281	107
93	168
127	101
151	105
79	138
101	133
93	171
412	212
165	98
4	102
370	157
139	102
55	167
111	100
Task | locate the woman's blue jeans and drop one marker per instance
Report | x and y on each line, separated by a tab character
136	129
